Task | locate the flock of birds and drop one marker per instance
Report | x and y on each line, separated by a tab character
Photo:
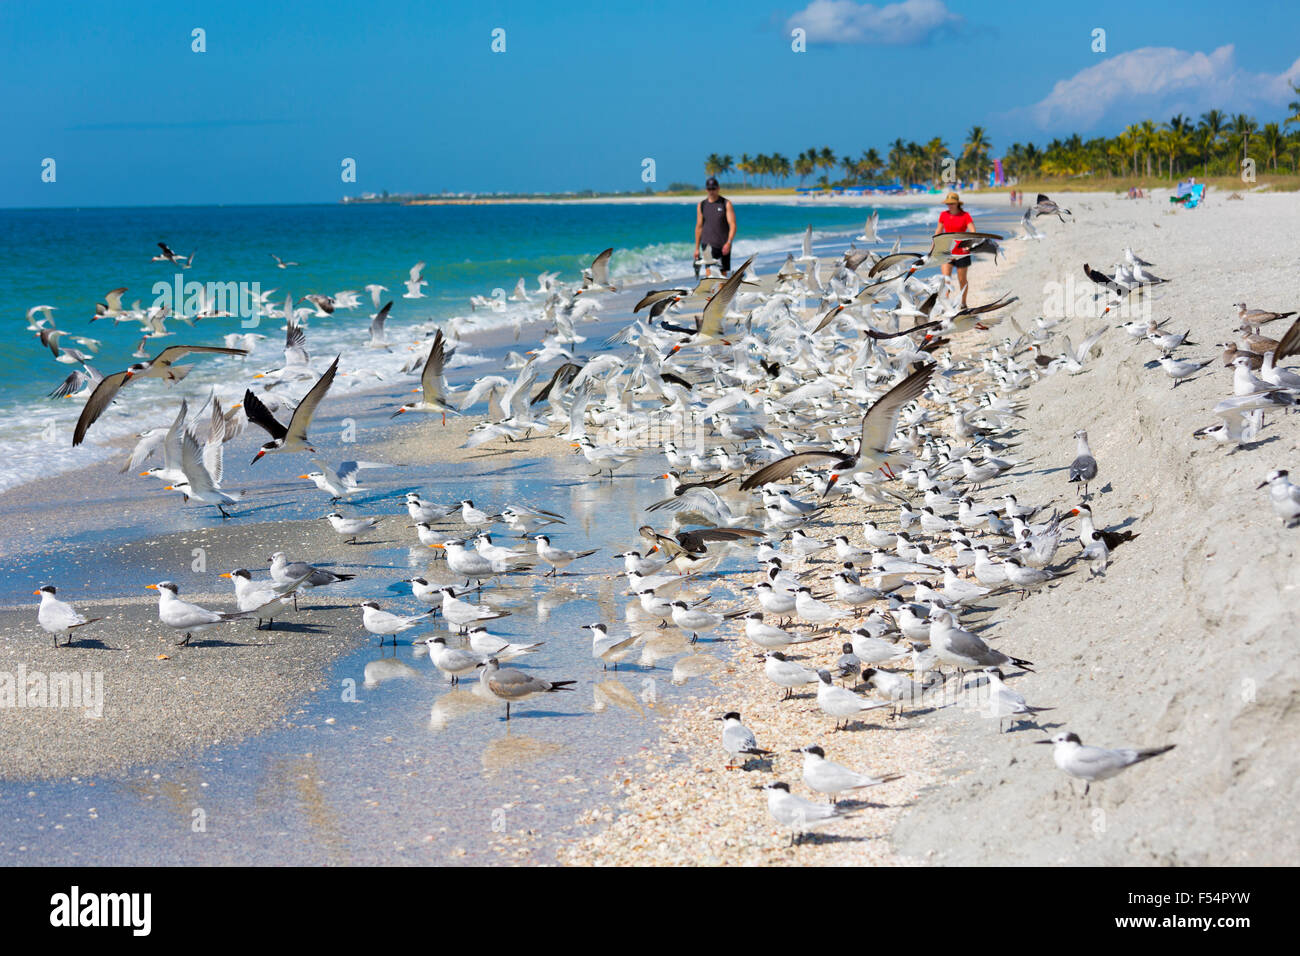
760	383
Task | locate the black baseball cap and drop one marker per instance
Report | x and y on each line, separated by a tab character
710	183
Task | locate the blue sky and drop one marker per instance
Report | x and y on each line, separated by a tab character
113	92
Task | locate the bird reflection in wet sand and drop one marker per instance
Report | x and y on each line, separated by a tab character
616	693
455	704
697	665
512	750
386	669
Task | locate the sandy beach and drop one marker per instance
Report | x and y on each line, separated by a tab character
1185	640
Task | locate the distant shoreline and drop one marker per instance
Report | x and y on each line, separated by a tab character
741	198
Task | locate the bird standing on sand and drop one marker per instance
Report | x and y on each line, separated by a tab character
184	616
826	776
1084	467
1284	495
58	617
1095	763
738	740
796	813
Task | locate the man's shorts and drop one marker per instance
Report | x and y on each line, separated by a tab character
724	258
961	262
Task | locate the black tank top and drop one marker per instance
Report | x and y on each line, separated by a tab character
715	229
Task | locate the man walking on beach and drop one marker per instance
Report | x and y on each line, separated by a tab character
715	227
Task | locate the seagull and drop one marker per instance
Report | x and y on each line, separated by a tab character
964	650
738	740
878	426
709	327
785	673
1284	496
597	274
557	558
378	339
1084	467
111	307
201	484
384	623
172	257
796	813
841	702
184	616
610	650
344	481
352	527
414	284
1258	316
432	384
826	776
293	437
1095	763
254	596
1030	230
869	233
160	366
58	617
1180	369
454	662
511	685
1046	207
302	575
280	263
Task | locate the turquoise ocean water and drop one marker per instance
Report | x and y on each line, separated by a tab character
69	259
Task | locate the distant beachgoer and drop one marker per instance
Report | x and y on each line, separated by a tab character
715	227
954	218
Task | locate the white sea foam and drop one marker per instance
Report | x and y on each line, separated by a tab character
33	447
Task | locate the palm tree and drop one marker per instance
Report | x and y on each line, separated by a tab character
713	165
935	151
1271	139
746	166
803	166
1243	127
897	158
826	158
976	148
870	164
781	166
1293	106
725	164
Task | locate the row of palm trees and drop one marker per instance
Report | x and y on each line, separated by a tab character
1216	144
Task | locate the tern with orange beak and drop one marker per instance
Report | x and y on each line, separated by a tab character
186	617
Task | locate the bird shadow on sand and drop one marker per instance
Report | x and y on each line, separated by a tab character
294	628
829	838
217	642
89	644
1022	725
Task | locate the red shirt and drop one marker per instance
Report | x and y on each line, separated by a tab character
958	222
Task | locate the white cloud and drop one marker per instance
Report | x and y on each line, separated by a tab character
894	24
1151	81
